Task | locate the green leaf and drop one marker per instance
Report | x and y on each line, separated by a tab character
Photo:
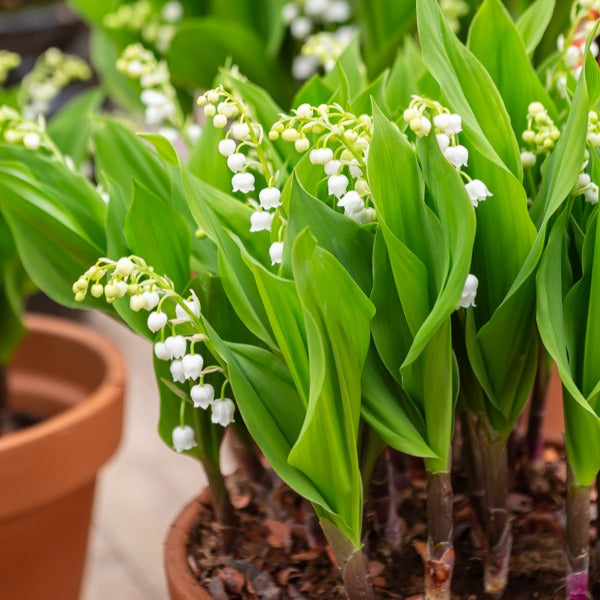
314	92
336	357
353	68
407	70
468	88
205	161
533	23
70	127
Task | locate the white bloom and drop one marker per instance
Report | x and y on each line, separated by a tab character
194	131
236	161
332	167
151	300
315	7
594	49
183	438
276	252
337	12
169	133
300	27
193	305
454	124
243	182
153	98
304	111
364	216
457	155
443	141
135	68
31	140
176	369
302	144
354	168
467	298
591	194
421	126
528	159
289	12
572	56
124	266
192	365
222	411
227	147
337	185
202	395
594	139
442	121
136	303
350	198
583	180
156	321
172	11
176	346
477	191
219	121
161	351
240	131
269	197
321	156
261	220
304	66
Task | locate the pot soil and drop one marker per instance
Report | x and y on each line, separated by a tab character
74	379
275	561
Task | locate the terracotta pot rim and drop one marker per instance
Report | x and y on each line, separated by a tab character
182	583
100	397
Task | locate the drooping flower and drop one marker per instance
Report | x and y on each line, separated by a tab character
236	161
202	395
591	193
269	197
276	252
261	220
321	156
156	321
161	351
193	305
183	438
176	346
243	182
332	167
443	141
192	366
528	159
223	410
477	191
176	368
227	147
337	185
457	155
469	292
151	300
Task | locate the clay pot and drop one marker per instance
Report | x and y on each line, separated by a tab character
182	584
72	376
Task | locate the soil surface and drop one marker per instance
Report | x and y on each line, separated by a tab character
278	557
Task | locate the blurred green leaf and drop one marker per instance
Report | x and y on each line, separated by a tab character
532	24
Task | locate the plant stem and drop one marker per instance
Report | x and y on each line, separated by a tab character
440	549
247	456
577	537
224	511
3	397
351	562
537	411
473	465
498	529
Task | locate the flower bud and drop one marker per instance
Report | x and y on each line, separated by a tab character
410	114
202	395
591	194
236	161
289	135
304	111
302	144
227	147
212	96
97	290
31	140
210	110
183	438
240	131
156	321
124	267
219	121
528	159
443	141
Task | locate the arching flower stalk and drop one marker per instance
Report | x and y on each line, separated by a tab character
340	143
248	153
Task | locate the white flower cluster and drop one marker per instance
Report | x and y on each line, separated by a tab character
588	188
245	148
541	134
454	10
132	277
340	143
53	71
8	61
446	126
158	95
317	23
155	27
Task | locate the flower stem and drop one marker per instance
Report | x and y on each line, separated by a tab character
247	456
537	411
440	548
497	526
3	397
351	562
577	537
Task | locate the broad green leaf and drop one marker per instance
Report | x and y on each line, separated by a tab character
337	354
205	161
468	88
352	66
314	92
407	70
533	23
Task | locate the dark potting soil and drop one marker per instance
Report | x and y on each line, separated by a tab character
274	560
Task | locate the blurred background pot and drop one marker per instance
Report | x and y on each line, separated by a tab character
73	378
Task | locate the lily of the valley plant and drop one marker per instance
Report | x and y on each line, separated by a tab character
344	277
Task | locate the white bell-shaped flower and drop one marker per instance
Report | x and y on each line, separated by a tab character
124	266
222	411
442	121
454	124
156	321
528	159
151	300
304	111
32	140
172	11
240	131
467	298
176	368
355	169
161	351
261	220
136	302
236	161
591	193
176	345
321	156
350	198
300	27
457	155
202	395
243	182
192	366
337	185
443	141
153	98
193	305
332	167
183	438
227	147
269	197
276	252
477	191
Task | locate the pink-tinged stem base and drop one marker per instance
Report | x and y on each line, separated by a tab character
577	585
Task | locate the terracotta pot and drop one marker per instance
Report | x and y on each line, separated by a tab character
182	584
74	377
